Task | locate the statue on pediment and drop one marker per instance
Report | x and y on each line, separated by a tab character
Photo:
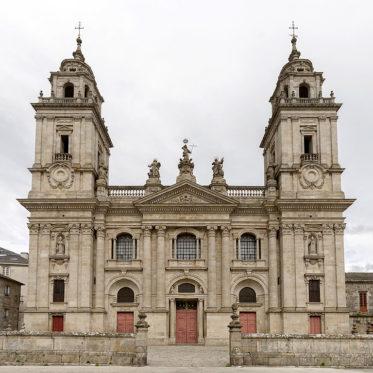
154	169
186	165
217	168
153	184
218	182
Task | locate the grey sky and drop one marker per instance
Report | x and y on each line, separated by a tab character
198	69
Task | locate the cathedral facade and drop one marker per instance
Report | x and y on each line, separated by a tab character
184	253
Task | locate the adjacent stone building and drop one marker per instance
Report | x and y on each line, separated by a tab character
15	266
185	252
359	290
10	295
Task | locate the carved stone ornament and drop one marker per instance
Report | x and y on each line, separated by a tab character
60	244
186	166
311	176
60	175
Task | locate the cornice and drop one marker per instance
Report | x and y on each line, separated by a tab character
312	204
58	204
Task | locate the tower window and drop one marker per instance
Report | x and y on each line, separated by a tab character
69	90
314	290
86	91
303	91
286	90
308	148
64	144
58	291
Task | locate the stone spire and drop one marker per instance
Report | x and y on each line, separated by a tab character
186	165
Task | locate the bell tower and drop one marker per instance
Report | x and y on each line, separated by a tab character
72	140
300	140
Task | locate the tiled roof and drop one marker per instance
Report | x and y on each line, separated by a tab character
10	279
359	276
10	257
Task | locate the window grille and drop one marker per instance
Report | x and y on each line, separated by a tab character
247	295
247	247
125	248
363	301
125	295
314	290
186	247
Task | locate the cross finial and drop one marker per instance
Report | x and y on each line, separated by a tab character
293	28
79	28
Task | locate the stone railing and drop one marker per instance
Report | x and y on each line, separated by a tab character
66	100
63	157
246	191
311	157
307	101
126	191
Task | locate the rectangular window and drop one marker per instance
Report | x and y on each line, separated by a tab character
6	314
64	144
7	290
259	248
363	301
57	323
308	144
58	291
6	271
315	324
314	290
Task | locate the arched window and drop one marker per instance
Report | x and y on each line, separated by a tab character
69	90
86	91
303	91
286	91
124	248
186	246
247	295
247	247
186	288
125	295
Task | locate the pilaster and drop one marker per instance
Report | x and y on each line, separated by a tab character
147	267
161	286
43	267
86	282
340	266
74	288
287	264
211	266
225	267
33	264
100	265
329	267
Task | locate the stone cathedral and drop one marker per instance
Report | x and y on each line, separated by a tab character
185	252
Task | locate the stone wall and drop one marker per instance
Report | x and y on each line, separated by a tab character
24	348
301	350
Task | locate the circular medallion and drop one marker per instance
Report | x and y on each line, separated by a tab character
311	176
60	175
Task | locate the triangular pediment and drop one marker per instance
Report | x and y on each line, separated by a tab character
186	193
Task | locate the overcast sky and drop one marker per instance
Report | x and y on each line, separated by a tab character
196	69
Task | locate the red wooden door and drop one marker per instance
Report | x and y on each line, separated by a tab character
125	322
57	323
248	322
315	325
186	326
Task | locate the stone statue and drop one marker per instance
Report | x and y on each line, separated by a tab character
270	176
312	245
60	245
154	169
186	153
186	166
217	167
102	170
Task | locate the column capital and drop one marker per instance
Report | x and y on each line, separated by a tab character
161	230
226	230
327	229
74	228
33	228
211	230
100	230
298	229
287	229
87	229
272	230
45	229
339	228
147	230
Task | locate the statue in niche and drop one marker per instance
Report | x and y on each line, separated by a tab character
60	245
102	171
312	245
217	167
154	169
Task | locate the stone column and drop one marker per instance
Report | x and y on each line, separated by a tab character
85	280
74	281
300	291
147	267
32	265
273	269
225	268
161	286
172	320
340	266
330	298
100	267
211	267
200	320
43	267
287	263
